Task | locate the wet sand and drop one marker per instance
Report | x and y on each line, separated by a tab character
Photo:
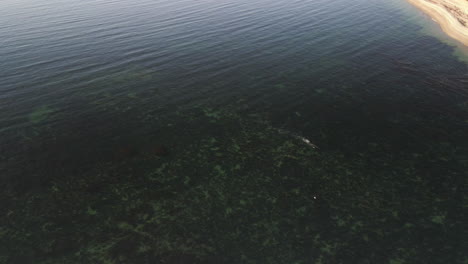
452	16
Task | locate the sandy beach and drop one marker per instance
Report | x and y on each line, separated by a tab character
452	16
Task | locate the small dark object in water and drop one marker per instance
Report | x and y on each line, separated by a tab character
322	207
160	150
126	152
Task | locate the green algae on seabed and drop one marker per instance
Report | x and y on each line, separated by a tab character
240	193
40	114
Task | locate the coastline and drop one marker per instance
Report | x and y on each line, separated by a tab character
451	15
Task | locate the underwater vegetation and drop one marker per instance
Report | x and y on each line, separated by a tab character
246	192
40	114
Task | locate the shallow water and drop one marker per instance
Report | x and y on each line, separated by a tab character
113	114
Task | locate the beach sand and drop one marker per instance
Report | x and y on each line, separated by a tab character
452	16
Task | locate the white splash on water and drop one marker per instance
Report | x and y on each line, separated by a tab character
305	140
301	138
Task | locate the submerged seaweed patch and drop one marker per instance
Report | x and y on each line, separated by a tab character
244	192
40	114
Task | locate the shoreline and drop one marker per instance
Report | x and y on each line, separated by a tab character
451	15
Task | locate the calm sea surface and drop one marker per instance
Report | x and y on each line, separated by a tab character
230	131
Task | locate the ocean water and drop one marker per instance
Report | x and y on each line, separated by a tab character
230	131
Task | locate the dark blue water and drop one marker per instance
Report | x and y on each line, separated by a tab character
110	109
